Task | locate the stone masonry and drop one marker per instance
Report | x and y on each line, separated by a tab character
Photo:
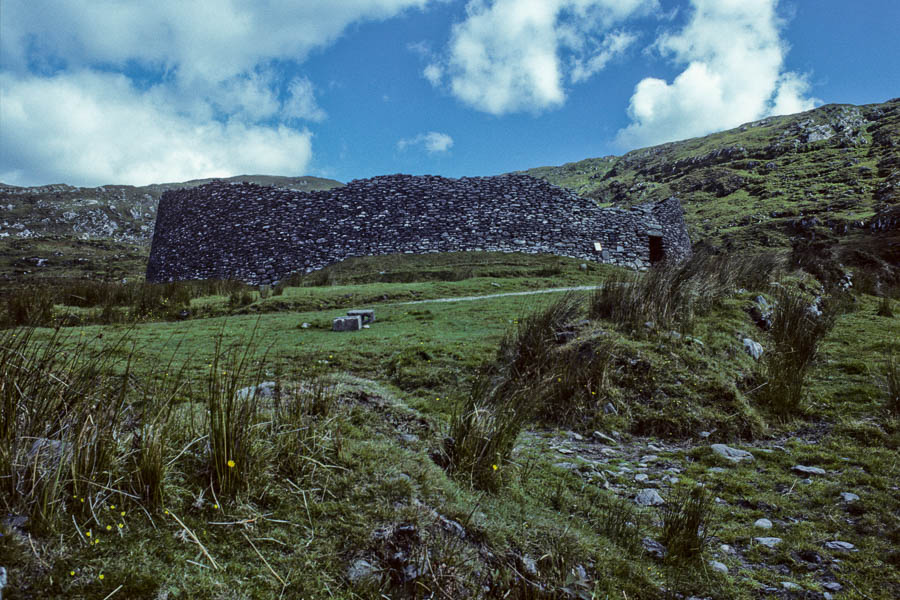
260	235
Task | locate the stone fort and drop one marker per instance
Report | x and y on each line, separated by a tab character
260	235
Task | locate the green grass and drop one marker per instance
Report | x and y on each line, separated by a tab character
345	461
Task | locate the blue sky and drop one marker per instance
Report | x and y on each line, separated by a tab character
95	92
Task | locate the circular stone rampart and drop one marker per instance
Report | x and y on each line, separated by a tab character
261	234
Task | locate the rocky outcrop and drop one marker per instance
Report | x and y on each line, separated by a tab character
262	234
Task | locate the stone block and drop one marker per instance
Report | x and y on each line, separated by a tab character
353	323
367	315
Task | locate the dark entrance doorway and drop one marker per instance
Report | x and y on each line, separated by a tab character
656	249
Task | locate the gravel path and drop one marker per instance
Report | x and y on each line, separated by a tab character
580	288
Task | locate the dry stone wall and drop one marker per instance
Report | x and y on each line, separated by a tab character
262	234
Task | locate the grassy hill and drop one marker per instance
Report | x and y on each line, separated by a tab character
825	177
60	231
502	446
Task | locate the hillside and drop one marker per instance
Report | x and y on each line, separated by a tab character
61	231
829	176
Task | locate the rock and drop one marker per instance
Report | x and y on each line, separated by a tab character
718	566
347	324
264	390
610	409
367	315
529	565
849	497
567	466
704	435
641	477
575	436
840	546
583	266
604	438
565	451
362	570
654	548
753	348
305	325
832	586
791	587
808	470
649	497
769	542
763	524
733	454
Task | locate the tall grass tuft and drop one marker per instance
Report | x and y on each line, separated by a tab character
891	384
794	340
60	418
505	396
673	294
231	416
483	433
687	523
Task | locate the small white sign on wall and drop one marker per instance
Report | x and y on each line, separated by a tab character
598	246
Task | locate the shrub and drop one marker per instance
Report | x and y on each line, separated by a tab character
687	521
794	343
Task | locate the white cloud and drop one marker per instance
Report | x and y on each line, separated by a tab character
302	102
506	56
734	59
433	142
613	45
88	128
208	94
211	40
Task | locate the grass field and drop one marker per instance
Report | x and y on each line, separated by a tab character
133	466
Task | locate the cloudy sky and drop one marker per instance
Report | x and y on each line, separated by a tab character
118	91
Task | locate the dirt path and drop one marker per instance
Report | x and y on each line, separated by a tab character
580	288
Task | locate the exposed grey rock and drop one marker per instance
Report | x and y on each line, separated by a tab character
610	409
808	470
264	390
367	315
604	438
529	565
753	348
362	570
649	497
791	586
769	542
840	546
732	454
832	586
641	477
347	324
763	524
849	497
654	548
718	566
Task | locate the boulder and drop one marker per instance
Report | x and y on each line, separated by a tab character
349	323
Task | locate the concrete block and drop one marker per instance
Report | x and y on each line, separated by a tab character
353	323
367	315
